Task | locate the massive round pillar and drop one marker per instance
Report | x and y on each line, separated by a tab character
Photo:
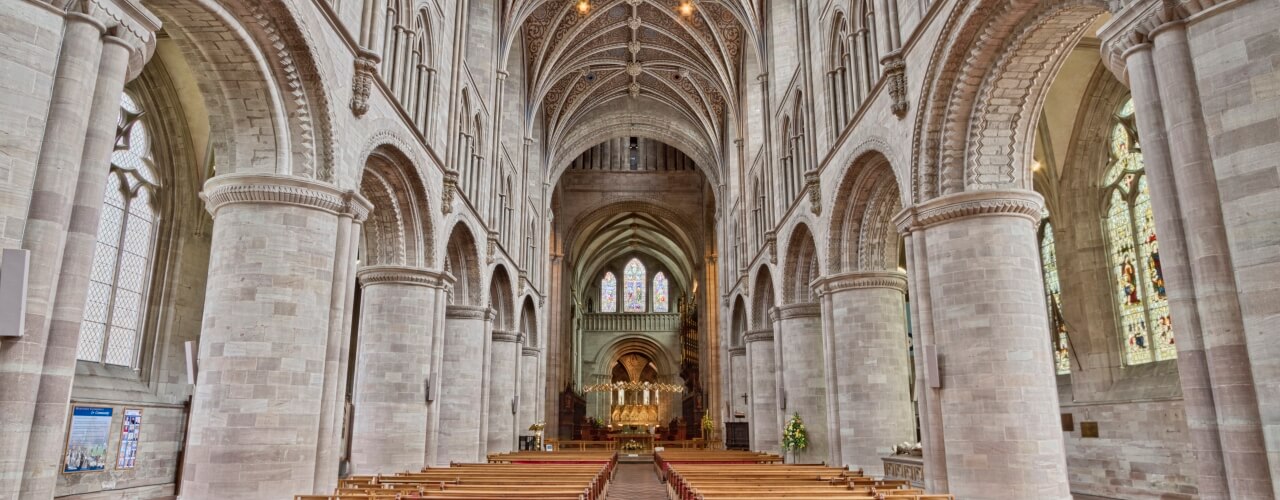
996	387
393	366
763	410
868	317
798	330
503	406
256	412
459	402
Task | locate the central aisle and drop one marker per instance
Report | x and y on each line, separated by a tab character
636	481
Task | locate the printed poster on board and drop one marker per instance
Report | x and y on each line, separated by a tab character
87	439
129	430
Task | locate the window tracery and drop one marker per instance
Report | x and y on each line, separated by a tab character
633	286
661	302
1053	297
609	293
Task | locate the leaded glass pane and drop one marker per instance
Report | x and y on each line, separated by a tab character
609	293
1053	292
660	302
1135	254
122	256
633	286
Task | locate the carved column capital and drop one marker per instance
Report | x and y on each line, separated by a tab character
895	280
507	336
466	312
1016	202
415	276
765	335
803	310
230	189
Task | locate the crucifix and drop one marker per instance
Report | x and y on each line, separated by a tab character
744	398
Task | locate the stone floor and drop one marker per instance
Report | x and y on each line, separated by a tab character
636	481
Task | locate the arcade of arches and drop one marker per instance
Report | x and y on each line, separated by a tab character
251	247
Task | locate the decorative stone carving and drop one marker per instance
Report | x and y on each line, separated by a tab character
371	275
1020	203
862	279
738	351
633	89
895	74
530	351
446	193
771	243
366	64
227	189
813	183
522	281
506	336
491	249
458	311
805	310
758	336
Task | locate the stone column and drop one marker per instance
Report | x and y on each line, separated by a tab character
867	313
529	397
927	396
503	368
1193	369
763	410
393	365
1216	295
48	425
459	402
48	217
804	385
256	413
998	395
736	378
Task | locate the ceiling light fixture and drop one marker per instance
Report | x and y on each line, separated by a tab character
686	8
584	6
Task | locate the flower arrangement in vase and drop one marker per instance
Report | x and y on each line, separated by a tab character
794	437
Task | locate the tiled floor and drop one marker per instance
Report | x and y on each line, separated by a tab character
636	481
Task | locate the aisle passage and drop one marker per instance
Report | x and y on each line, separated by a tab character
636	481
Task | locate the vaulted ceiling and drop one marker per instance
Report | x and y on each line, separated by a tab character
681	63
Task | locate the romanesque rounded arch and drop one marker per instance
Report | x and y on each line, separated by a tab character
861	235
667	362
462	262
529	322
762	299
985	86
801	267
399	228
738	323
501	299
659	123
268	109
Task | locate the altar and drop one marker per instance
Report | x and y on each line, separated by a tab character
628	441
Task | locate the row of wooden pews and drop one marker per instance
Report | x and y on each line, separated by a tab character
743	475
539	476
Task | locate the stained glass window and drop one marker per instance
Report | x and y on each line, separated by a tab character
609	293
660	301
1135	254
113	310
633	286
1053	296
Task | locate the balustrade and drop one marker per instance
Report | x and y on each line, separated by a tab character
631	322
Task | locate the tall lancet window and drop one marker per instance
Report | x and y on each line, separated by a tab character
1139	288
609	293
661	303
113	313
1053	297
633	286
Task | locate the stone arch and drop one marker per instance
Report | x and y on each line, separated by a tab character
984	89
501	299
662	123
463	264
738	322
667	362
801	267
529	322
861	235
399	229
763	300
268	109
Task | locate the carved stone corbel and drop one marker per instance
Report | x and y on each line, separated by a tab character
895	74
492	247
814	184
446	194
362	81
771	243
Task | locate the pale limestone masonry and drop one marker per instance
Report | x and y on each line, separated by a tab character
381	222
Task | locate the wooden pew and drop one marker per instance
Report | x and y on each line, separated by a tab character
736	475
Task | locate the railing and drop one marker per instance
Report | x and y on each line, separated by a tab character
630	322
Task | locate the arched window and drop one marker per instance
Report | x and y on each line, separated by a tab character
113	313
1053	297
609	293
661	303
1135	254
633	286
840	76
